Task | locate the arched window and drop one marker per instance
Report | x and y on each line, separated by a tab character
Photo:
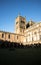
17	37
35	33
40	37
23	22
9	36
2	35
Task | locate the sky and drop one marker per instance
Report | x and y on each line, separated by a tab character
9	10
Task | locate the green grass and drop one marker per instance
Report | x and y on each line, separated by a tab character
27	56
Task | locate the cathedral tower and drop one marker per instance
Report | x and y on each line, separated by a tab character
20	25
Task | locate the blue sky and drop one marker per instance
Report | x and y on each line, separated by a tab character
9	10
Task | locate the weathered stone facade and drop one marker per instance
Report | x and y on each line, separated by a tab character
26	32
33	34
12	37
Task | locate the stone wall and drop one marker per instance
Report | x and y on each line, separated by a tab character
12	37
33	34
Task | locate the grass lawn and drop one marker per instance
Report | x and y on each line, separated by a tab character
27	56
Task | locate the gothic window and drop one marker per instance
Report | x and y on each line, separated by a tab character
2	35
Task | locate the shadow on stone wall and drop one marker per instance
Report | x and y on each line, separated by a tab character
8	44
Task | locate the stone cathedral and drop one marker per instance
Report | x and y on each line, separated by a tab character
26	32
